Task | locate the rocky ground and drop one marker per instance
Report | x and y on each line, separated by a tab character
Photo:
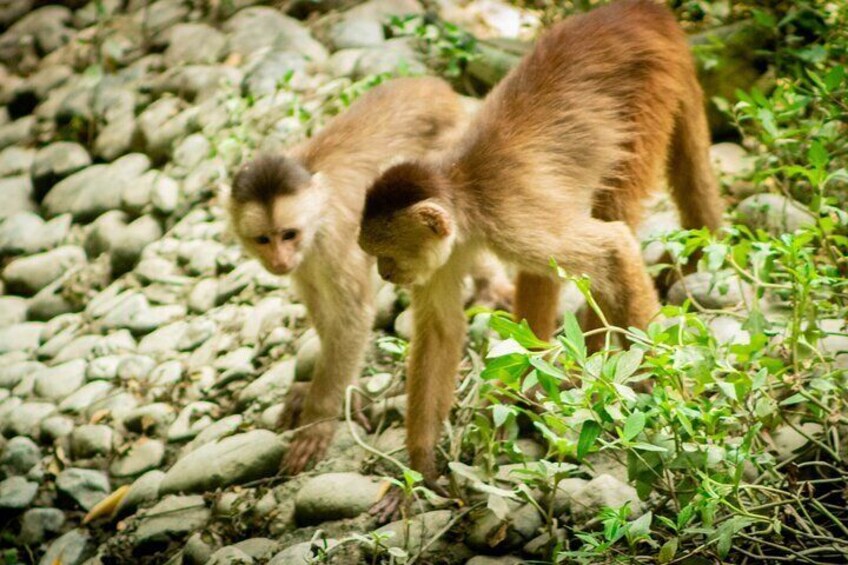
144	359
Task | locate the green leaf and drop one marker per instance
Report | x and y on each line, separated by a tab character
766	117
500	413
667	551
641	526
818	155
412	477
796	398
628	363
634	425
715	254
756	323
520	332
590	432
642	446
727	389
505	347
726	531
834	78
574	336
508	369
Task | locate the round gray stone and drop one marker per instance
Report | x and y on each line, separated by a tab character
17	493
83	486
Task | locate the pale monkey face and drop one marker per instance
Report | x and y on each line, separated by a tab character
279	236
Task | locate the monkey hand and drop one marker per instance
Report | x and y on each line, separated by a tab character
309	444
313	435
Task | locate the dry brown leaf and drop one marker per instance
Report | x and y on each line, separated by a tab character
107	506
98	416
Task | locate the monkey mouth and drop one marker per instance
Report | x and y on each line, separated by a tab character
282	270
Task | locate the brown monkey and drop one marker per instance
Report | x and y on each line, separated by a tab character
300	213
554	165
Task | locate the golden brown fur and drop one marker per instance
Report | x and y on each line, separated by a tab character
318	192
555	165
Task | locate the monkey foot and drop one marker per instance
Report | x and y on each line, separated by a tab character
388	508
391	506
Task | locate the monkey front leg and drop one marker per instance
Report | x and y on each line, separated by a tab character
435	353
343	321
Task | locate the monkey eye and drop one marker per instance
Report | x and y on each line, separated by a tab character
288	235
263	240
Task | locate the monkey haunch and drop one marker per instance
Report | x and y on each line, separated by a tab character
300	214
556	164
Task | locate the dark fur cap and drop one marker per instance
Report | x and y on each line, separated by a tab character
399	188
267	177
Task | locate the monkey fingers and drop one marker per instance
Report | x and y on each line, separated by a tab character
308	445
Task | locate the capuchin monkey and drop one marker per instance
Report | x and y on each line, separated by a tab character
299	214
554	165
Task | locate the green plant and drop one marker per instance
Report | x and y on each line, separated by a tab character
449	48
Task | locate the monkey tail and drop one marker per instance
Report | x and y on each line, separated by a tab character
690	174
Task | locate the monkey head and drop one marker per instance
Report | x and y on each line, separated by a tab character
275	208
407	224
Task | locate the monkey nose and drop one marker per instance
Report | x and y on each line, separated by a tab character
386	268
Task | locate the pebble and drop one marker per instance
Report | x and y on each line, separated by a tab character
231	460
20	454
91	440
271	386
144	455
152	419
17	493
20	337
333	496
37	523
54	162
85	487
56	427
55	383
604	491
774	213
413	534
172	518
712	291
142	491
28	275
95	189
25	420
88	394
71	549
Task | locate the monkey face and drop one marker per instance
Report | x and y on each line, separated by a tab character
410	246
279	235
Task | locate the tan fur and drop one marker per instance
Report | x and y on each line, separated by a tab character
404	118
555	165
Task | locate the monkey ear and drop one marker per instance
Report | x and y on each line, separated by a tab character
434	217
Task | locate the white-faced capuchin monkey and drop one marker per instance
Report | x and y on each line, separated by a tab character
555	165
299	214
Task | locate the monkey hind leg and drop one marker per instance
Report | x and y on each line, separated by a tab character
536	300
690	174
